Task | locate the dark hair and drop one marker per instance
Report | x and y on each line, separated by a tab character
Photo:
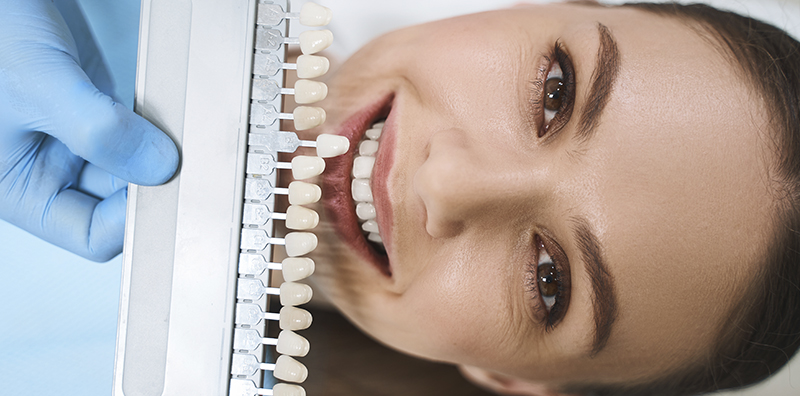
762	332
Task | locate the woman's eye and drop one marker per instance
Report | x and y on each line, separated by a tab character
548	281
554	93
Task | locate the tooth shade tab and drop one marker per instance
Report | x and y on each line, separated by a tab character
329	146
312	66
288	390
292	344
315	15
297	268
361	190
305	167
300	218
302	193
308	117
307	66
313	41
259	214
288	369
255	264
293	318
251	314
362	167
264	164
300	243
307	91
293	293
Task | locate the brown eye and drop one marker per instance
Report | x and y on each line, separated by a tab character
547	276
553	94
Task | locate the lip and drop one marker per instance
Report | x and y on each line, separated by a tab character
336	180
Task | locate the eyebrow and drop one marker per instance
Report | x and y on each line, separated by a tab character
602	82
604	298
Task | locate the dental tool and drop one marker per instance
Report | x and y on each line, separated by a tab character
200	288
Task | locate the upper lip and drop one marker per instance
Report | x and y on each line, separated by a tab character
338	200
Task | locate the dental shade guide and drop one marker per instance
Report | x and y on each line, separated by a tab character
171	324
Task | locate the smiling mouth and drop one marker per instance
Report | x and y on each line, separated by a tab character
348	186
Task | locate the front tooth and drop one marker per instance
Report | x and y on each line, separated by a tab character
300	218
300	243
368	147
312	66
332	145
365	211
362	167
293	318
313	14
370	226
313	41
374	237
297	268
302	193
293	293
361	190
306	117
374	133
288	369
292	344
306	167
288	390
307	91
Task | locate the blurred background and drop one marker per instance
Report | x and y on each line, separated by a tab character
58	312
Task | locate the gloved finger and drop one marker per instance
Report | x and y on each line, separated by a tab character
97	182
85	225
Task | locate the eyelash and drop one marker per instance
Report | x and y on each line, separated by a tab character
552	316
563	64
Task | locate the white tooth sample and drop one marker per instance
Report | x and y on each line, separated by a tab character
313	41
288	369
307	91
362	167
293	293
293	318
302	193
332	145
300	243
306	117
306	167
313	14
292	344
288	390
365	211
297	268
312	66
374	133
361	190
300	218
368	147
374	237
370	226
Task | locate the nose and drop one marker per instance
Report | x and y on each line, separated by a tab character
466	181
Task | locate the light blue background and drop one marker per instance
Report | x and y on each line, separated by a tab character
58	312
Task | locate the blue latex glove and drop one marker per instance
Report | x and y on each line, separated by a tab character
53	119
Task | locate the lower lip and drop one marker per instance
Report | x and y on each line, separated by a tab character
337	197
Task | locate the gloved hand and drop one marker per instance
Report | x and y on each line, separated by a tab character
66	148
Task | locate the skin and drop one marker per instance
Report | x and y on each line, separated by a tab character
673	183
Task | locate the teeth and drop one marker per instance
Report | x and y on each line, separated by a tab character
374	133
302	193
332	145
293	318
313	41
368	147
293	293
300	218
307	117
315	15
297	268
374	237
361	190
300	243
288	369
312	66
370	226
287	389
292	344
365	211
306	167
307	91
362	167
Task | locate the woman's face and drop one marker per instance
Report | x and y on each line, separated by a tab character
645	212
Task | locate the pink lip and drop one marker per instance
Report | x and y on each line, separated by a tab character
337	197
